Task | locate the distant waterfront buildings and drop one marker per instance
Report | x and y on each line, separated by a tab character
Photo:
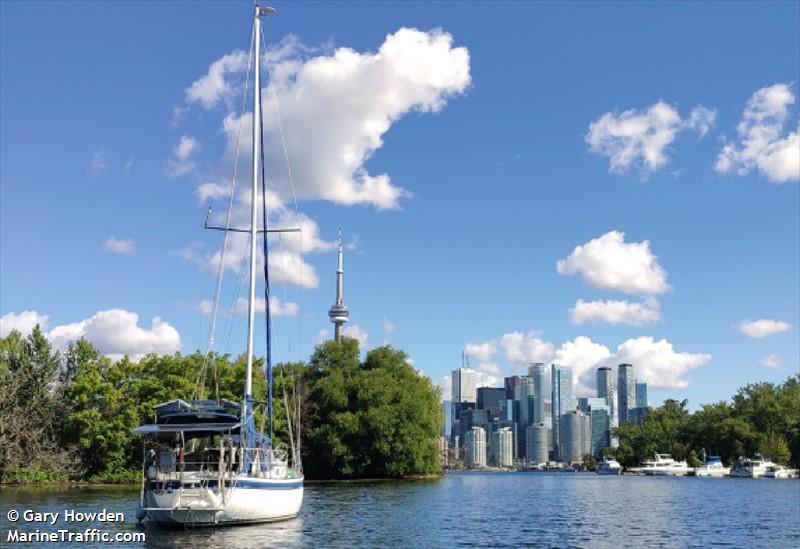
491	399
524	394
626	391
538	373
538	440
605	389
575	432
503	447
447	428
561	388
641	395
600	416
475	447
464	385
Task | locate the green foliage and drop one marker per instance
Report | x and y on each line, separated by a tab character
763	417
372	420
589	462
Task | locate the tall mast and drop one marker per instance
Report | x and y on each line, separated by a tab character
251	302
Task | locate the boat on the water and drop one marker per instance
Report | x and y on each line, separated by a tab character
205	463
712	468
609	466
754	467
664	465
779	471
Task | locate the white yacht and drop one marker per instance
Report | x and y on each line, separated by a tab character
205	463
713	468
754	467
779	471
664	465
609	466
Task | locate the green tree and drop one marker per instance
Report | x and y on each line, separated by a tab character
376	419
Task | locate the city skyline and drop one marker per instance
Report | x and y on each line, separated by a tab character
520	200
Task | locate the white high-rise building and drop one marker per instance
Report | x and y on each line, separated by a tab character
575	433
475	447
465	385
503	447
538	442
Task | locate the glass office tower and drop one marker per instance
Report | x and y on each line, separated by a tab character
561	388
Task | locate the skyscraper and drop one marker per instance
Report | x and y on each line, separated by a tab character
464	385
561	387
503	447
538	443
641	395
605	389
538	373
338	313
626	391
475	447
447	427
600	414
575	430
490	399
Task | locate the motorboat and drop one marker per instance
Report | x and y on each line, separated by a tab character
609	466
778	471
664	465
754	467
712	468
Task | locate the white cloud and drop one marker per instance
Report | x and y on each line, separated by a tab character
657	363
615	312
771	361
210	190
582	355
124	246
762	145
24	322
641	137
610	263
216	85
335	108
116	333
481	351
277	308
181	163
489	375
356	333
522	348
763	327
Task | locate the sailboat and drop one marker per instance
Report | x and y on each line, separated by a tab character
204	461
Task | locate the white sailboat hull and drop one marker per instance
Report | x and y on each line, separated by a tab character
251	500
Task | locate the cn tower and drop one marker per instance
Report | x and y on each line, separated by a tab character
338	312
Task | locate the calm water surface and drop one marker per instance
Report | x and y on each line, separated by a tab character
477	509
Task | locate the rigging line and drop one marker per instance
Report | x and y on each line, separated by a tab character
221	267
291	182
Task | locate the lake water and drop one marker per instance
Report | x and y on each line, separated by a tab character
473	509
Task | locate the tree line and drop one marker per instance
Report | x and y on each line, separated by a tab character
761	418
69	415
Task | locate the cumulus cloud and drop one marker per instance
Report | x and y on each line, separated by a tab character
125	246
615	312
641	137
582	355
115	332
610	263
210	191
356	333
276	307
181	163
24	322
522	348
657	363
771	361
763	327
481	351
762	145
217	84
446	385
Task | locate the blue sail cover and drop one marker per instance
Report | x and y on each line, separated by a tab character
254	440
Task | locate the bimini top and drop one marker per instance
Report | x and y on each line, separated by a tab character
197	411
192	429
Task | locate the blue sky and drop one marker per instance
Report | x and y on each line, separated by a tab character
462	163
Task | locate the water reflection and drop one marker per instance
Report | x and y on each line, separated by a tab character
279	534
